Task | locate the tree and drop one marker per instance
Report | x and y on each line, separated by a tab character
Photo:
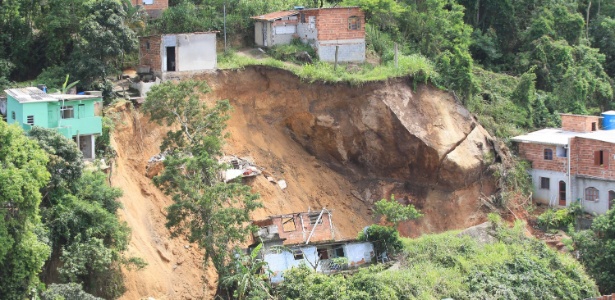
247	279
67	291
22	174
394	212
212	213
596	250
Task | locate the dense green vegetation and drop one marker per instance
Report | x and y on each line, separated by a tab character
212	213
448	265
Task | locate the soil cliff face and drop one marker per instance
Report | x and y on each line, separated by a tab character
384	137
336	146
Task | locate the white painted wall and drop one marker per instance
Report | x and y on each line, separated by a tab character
604	186
196	52
550	196
359	253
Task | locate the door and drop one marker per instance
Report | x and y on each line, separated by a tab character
171	59
562	193
611	199
52	115
81	111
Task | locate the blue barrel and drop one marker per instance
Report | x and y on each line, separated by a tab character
608	120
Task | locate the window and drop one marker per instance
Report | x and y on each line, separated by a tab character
611	198
548	154
314	217
302	17
339	252
354	23
147	45
288	224
545	183
67	112
13	115
285	29
323	253
30	120
599	158
297	254
562	151
591	194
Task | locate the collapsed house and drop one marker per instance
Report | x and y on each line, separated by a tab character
307	238
334	31
238	167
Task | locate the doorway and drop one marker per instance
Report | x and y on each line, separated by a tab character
562	193
171	59
611	198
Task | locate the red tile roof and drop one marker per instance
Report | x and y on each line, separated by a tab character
275	15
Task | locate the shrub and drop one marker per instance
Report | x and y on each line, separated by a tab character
384	238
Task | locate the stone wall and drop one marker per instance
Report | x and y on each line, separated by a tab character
579	123
348	51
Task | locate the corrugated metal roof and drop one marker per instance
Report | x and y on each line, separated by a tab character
29	94
33	94
554	136
275	15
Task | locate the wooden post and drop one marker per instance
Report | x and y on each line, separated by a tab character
337	48
396	57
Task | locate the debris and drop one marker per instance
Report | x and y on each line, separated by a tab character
282	184
239	167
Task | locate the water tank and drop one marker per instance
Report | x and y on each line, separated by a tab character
608	121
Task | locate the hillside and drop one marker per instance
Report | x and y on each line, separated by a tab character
337	146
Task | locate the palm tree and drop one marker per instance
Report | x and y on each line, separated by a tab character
248	278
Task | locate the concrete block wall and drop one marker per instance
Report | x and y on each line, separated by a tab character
535	154
579	123
150	57
351	52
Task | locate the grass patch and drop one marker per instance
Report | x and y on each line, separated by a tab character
416	66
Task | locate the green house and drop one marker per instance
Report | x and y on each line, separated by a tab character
77	117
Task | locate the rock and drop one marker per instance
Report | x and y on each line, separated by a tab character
482	233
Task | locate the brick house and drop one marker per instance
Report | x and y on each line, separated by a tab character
187	52
306	238
154	8
322	28
574	163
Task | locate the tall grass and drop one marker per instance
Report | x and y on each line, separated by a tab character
416	66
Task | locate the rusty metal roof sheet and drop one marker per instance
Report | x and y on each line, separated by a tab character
275	15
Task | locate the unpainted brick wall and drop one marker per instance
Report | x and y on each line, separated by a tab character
535	154
579	123
332	23
583	159
152	56
157	5
299	235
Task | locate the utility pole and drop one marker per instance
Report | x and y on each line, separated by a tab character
225	26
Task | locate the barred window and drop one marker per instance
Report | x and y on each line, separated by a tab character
548	154
591	194
354	23
545	183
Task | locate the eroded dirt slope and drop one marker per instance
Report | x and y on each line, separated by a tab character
337	146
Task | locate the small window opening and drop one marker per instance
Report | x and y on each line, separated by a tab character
147	46
30	120
562	152
298	254
591	194
548	154
545	183
339	252
354	23
323	253
288	224
313	219
302	17
599	158
593	126
13	115
67	112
